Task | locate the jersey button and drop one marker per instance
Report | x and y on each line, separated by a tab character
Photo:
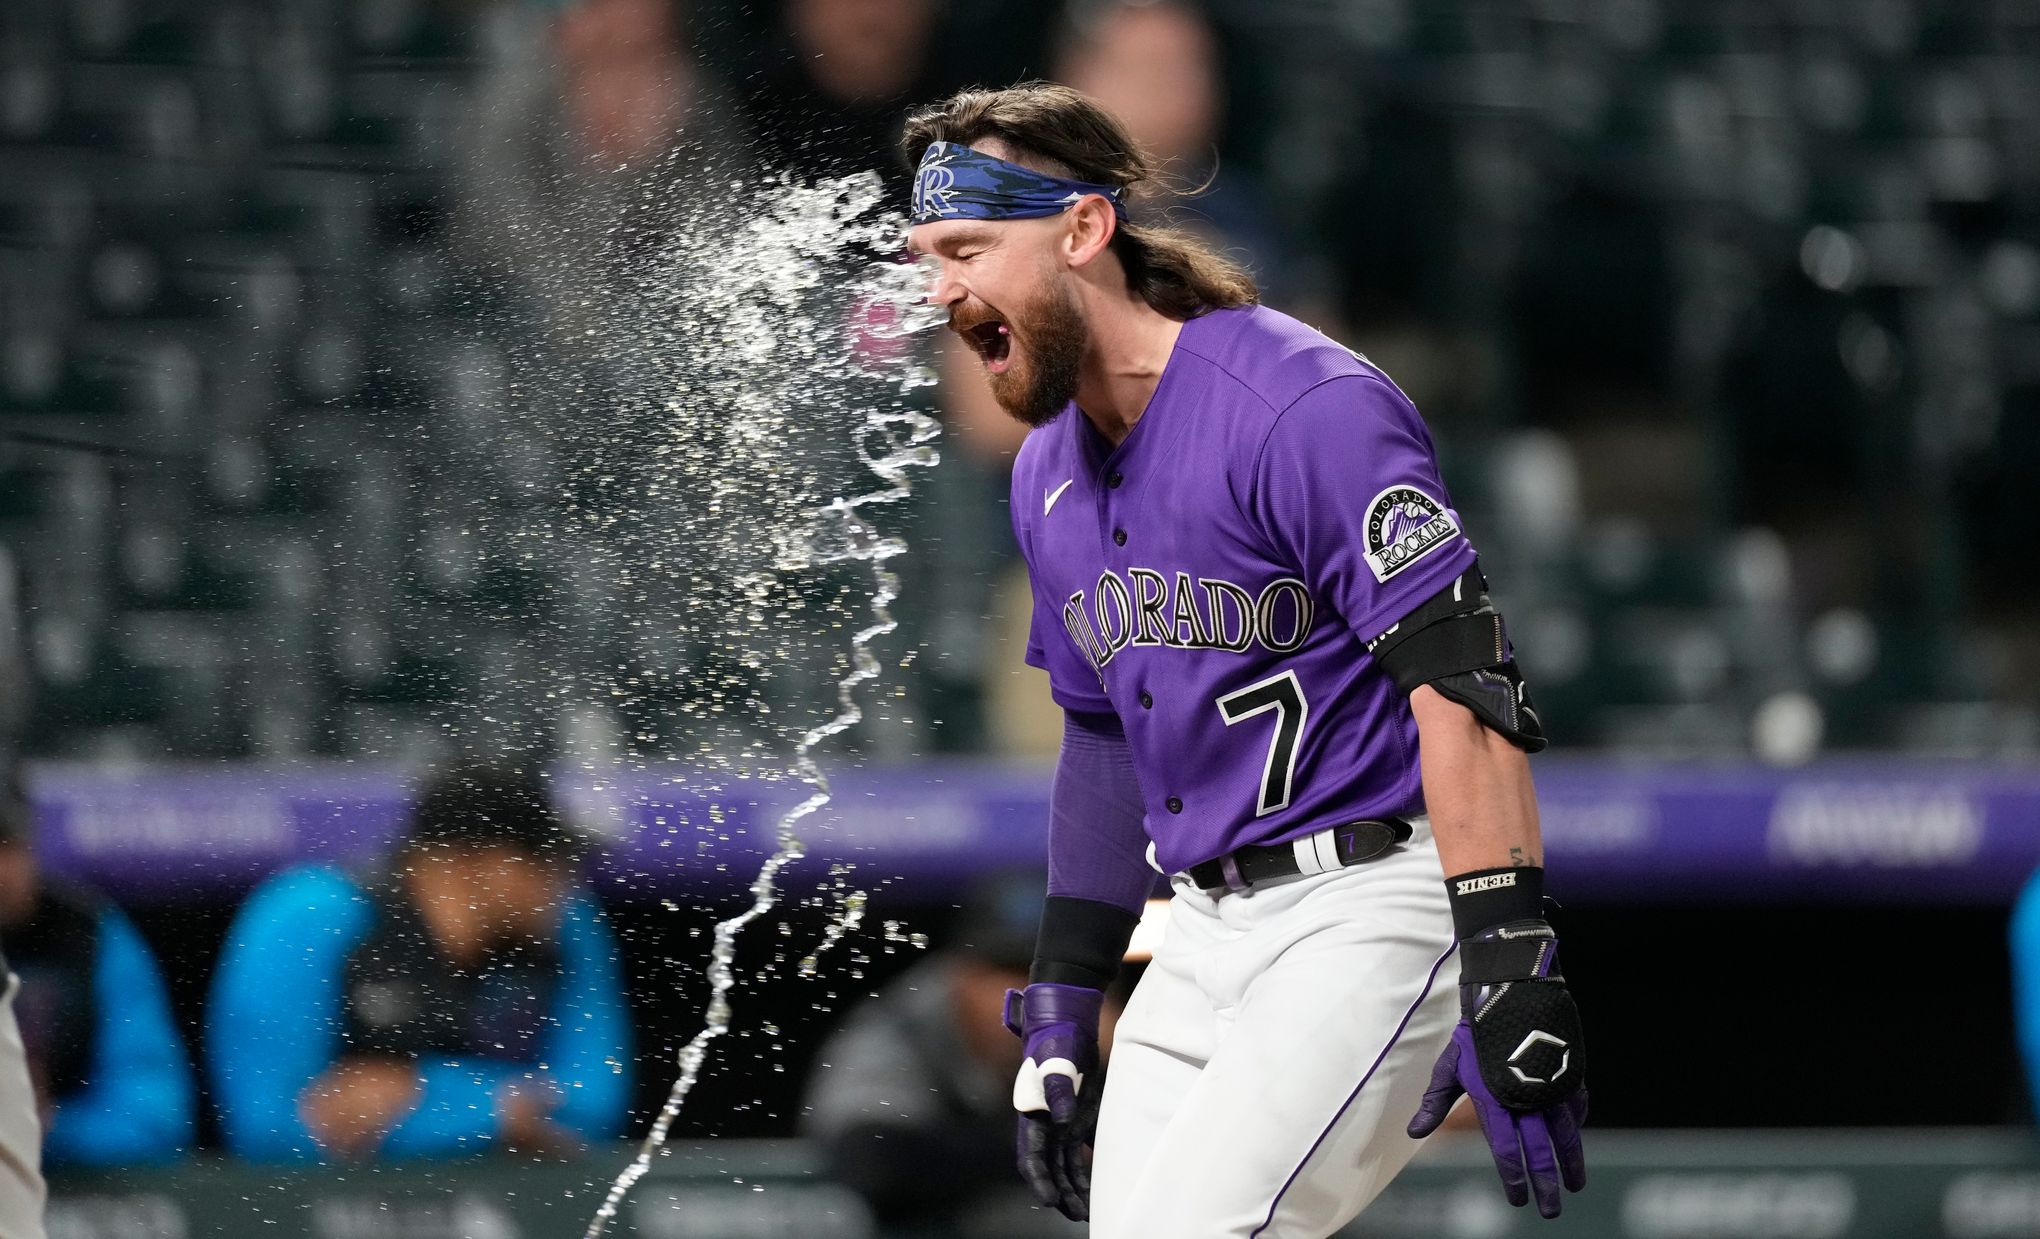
1175	804
1115	480
1147	700
1119	536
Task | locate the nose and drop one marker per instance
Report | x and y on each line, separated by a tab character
944	289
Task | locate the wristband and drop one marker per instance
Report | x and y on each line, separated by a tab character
1082	942
1486	898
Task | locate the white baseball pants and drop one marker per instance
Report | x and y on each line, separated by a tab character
1268	1062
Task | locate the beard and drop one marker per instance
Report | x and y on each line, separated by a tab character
1043	380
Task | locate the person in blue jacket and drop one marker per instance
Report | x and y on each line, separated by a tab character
466	997
2025	935
111	1076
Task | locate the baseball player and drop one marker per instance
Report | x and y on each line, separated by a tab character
1285	687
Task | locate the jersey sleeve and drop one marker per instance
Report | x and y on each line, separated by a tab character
1072	680
590	1045
2025	943
1346	487
1097	832
137	1106
274	1021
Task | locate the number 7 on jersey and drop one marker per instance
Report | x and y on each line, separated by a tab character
1284	695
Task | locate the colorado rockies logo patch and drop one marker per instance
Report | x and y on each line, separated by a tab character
1403	525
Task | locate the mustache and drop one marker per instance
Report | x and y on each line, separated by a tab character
963	322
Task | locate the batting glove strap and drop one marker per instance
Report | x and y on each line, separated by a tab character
1517	951
1033	1010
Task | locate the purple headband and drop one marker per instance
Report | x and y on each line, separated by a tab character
956	182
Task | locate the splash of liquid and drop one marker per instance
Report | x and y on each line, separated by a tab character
764	289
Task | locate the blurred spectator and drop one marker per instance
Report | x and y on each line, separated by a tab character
2026	983
1158	67
592	131
14	678
112	1081
628	80
828	102
467	997
913	1097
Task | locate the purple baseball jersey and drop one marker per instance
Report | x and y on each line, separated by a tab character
1213	581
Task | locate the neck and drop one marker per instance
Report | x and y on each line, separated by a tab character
448	909
1130	346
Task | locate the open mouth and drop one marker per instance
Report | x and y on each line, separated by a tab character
993	342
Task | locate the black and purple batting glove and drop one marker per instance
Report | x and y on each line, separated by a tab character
1059	1025
1518	1053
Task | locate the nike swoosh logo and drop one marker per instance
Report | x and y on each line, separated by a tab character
1048	497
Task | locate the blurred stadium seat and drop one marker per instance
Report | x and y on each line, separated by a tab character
223	245
1726	318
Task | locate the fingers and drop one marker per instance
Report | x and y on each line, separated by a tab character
1499	1127
1060	1092
1089	1093
1564	1121
1035	1148
1074	1178
1439	1098
1537	1155
1053	1164
1076	1148
1059	1171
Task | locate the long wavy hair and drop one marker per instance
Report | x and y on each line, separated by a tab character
1057	130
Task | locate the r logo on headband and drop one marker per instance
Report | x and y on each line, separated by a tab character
931	192
956	182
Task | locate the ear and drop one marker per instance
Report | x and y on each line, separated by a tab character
1088	230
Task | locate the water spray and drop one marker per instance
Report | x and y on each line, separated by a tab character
891	440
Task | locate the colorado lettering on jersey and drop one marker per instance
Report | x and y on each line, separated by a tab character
1147	607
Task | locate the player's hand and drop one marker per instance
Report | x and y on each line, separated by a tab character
1057	1091
351	1106
1518	1054
524	1121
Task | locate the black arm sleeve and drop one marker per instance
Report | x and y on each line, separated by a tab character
1082	942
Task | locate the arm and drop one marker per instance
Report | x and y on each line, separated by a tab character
1099	880
1098	874
1400	571
1476	787
457	1109
589	1047
137	1105
1518	1051
273	1021
2025	936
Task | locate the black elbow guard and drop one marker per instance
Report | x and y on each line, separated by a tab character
1455	641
